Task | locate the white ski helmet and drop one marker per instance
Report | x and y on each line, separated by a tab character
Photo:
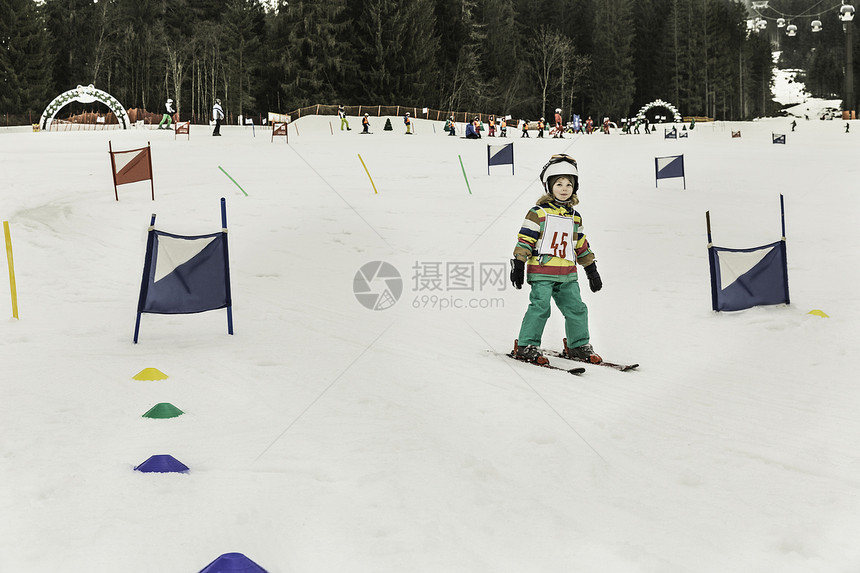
558	110
560	164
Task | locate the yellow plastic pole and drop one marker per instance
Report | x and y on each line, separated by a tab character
375	192
11	269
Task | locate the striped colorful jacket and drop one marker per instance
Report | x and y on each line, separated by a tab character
546	266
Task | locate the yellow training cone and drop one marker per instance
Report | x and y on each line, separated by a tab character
150	374
820	313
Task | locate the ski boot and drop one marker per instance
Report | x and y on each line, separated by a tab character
529	353
584	353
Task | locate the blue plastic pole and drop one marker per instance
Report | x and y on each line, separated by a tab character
144	283
784	248
227	267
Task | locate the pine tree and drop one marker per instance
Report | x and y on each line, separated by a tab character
24	58
397	51
726	35
612	90
314	62
501	55
650	19
243	26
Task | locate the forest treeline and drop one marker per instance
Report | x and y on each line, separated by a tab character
522	57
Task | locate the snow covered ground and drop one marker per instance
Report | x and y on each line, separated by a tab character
792	94
324	436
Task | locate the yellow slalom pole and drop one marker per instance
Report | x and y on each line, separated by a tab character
375	192
12	288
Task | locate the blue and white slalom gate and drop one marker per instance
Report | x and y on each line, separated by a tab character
500	155
186	274
744	278
669	167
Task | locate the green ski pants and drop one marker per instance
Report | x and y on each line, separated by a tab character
569	302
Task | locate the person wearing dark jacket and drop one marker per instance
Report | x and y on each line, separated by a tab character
471	132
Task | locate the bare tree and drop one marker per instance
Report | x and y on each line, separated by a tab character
574	67
546	52
177	58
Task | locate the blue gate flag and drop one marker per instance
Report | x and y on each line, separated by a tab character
500	155
577	123
744	278
778	138
185	274
669	167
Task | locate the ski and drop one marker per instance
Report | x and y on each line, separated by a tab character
613	365
575	370
544	363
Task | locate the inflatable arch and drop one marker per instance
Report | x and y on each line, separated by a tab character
83	94
663	104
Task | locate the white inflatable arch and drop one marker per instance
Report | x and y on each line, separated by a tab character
663	104
87	94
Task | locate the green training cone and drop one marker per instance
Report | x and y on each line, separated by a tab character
163	410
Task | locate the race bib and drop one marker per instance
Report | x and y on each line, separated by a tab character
558	238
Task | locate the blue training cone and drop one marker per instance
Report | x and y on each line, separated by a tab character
162	464
233	563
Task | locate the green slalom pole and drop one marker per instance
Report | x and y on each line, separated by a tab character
233	180
464	175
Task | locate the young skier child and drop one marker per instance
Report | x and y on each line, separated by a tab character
550	244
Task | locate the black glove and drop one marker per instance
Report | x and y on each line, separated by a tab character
518	273
594	282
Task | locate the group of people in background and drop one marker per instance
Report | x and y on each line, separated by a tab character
473	127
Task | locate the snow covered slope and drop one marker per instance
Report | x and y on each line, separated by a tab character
324	436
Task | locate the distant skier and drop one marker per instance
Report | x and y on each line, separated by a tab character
408	121
365	124
559	128
541	125
451	126
549	245
217	115
525	129
168	115
343	120
793	124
